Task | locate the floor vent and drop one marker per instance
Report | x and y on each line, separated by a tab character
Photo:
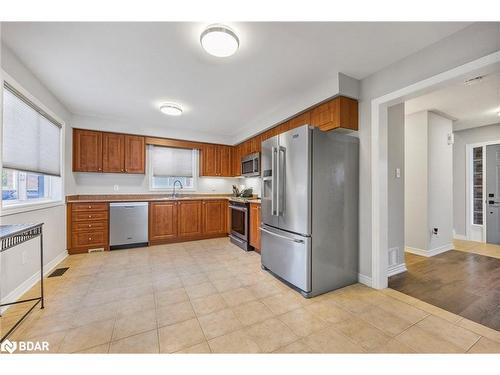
59	272
98	250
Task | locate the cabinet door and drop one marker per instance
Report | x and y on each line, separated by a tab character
135	151
254	226
224	161
162	221
236	161
190	223
87	151
113	153
214	217
208	160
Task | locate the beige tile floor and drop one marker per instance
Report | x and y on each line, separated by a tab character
480	248
210	296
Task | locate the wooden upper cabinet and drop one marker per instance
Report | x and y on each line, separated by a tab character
162	221
341	112
214	217
190	218
208	160
135	154
236	161
254	226
87	151
215	160
113	152
224	161
95	151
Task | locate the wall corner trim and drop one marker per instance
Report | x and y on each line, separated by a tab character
363	279
394	270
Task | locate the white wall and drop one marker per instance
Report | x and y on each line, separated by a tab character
440	167
416	180
428	183
462	138
14	273
473	42
395	186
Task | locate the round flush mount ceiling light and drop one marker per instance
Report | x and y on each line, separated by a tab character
171	109
219	40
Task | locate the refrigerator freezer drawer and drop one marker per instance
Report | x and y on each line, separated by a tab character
287	255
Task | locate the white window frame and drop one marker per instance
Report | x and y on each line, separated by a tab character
195	157
38	204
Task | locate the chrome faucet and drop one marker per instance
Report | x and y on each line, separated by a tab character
175	182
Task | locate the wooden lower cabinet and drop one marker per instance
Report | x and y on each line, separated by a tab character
254	226
215	217
88	227
177	221
162	221
189	215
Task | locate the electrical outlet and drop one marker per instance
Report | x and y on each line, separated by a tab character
116	187
398	172
435	231
24	257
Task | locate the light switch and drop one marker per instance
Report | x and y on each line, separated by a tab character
398	172
116	188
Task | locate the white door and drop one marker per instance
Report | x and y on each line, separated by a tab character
493	194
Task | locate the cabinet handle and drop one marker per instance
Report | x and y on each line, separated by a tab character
90	206
90	216
90	225
90	238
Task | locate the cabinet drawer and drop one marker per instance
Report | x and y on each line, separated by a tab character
90	225
90	238
90	215
78	207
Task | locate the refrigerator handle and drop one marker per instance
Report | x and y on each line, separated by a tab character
281	182
274	173
280	236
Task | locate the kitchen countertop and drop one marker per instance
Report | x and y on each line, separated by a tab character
146	197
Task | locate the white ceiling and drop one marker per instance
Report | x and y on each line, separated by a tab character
468	105
124	71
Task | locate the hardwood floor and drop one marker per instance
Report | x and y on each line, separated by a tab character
466	284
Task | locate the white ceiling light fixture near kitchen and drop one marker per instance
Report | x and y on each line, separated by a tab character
171	109
219	40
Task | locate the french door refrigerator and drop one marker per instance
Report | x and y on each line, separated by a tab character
309	224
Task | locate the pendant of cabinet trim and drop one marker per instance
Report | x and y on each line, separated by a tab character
95	151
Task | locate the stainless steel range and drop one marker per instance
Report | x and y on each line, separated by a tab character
239	211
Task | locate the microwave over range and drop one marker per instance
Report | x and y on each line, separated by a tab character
250	165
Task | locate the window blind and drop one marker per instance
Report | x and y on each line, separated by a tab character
168	161
31	139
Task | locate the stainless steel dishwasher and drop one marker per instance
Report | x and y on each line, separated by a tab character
128	225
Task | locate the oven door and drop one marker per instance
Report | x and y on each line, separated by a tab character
239	223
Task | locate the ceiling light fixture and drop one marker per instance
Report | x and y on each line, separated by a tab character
219	40
171	109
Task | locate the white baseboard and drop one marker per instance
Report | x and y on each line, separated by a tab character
29	283
431	252
394	270
363	279
460	237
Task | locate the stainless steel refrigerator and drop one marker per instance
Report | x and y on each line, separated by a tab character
309	229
